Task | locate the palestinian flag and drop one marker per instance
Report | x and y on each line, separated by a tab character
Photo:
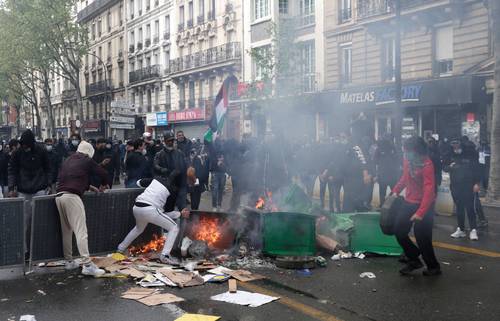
221	103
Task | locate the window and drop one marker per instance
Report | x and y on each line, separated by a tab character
388	59
346	63
345	13
157	31
308	53
200	94
99	27
191	10
181	15
132	8
109	21
120	75
201	8
148	5
140	35
167	61
182	96
261	9
283	6
120	15
168	98
167	25
93	31
307	12
260	68
444	50
109	51
191	94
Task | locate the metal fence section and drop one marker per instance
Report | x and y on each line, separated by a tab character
109	219
11	232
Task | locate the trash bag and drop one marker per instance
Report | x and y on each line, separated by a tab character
296	200
389	212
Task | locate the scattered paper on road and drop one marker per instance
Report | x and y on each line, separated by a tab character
164	279
197	317
103	262
157	299
220	270
130	271
245	276
369	275
183	278
245	298
137	293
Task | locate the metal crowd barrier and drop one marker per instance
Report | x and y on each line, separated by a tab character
109	219
11	237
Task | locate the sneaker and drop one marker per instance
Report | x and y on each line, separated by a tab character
458	233
482	224
71	265
168	259
473	235
432	272
92	269
411	266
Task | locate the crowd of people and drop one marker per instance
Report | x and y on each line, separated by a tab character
347	165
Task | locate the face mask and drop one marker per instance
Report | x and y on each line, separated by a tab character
1	148
49	148
144	152
75	142
108	146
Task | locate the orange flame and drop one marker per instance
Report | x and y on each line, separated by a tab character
260	203
155	245
208	230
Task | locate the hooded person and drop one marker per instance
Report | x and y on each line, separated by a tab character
28	175
74	179
148	208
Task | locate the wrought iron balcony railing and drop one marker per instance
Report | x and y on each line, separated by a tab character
144	74
99	87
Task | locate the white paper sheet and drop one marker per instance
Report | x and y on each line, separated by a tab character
245	298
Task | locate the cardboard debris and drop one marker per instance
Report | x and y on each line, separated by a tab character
244	298
183	278
150	281
130	271
245	276
197	317
103	262
157	299
137	293
164	280
114	268
233	287
220	270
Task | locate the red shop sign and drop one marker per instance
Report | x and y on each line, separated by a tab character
192	114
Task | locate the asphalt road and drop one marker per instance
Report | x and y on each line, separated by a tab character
467	290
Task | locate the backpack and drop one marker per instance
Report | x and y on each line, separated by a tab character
389	212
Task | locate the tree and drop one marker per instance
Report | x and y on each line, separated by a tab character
494	181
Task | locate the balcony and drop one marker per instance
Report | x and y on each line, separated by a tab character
215	55
229	8
371	8
180	27
108	61
156	39
200	19
190	23
147	43
211	16
139	46
131	48
69	94
93	9
144	74
120	55
166	36
99	87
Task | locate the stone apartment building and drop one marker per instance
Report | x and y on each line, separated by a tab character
445	66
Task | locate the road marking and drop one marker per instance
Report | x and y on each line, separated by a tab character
291	303
463	249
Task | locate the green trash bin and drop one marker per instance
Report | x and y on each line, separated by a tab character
289	234
366	236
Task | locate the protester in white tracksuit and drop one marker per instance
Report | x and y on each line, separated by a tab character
148	208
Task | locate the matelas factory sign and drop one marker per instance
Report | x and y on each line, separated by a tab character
187	115
381	96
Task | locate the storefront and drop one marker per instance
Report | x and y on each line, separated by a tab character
191	121
62	132
446	107
157	124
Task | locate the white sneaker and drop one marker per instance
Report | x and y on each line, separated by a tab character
473	235
458	233
92	269
71	265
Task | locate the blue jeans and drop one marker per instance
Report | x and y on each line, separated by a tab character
218	185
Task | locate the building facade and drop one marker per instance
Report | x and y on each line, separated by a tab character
445	49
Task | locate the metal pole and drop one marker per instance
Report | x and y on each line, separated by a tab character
398	112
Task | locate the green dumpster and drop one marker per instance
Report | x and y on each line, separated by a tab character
366	236
289	234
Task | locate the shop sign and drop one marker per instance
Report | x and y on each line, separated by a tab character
121	126
122	119
193	114
92	126
381	96
161	119
151	120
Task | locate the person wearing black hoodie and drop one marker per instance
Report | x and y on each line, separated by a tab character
28	175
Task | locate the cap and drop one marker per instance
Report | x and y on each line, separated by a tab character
85	148
168	136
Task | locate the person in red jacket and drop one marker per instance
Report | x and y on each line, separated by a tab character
417	210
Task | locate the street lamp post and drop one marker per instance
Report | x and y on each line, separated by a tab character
398	112
105	92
